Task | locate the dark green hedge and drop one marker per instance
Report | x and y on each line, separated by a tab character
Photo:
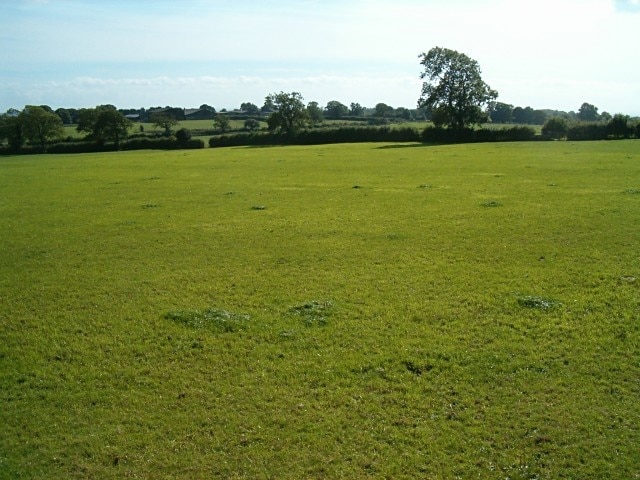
319	137
588	131
90	147
446	135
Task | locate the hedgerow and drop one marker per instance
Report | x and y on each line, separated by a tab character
92	147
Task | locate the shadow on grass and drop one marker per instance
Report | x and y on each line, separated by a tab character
260	146
405	145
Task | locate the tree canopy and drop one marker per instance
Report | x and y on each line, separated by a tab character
40	125
249	108
103	123
453	91
336	110
290	113
11	130
588	112
314	111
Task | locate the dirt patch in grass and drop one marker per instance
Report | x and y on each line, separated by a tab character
539	303
314	312
212	319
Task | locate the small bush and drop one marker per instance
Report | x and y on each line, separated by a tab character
183	136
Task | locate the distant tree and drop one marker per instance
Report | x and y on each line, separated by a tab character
403	113
618	126
454	88
268	106
251	124
113	126
523	115
208	108
383	110
605	116
290	113
314	111
4	118
64	115
356	110
555	127
539	117
588	113
40	125
249	108
183	136
11	129
501	113
163	120
87	119
222	123
104	123
336	110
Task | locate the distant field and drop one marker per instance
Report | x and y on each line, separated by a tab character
344	311
194	125
70	130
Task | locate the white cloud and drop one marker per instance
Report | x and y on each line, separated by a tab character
344	50
219	91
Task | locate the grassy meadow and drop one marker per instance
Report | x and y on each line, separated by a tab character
343	311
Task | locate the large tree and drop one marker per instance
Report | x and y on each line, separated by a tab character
383	110
355	109
11	129
501	113
104	123
250	108
64	115
290	113
588	112
40	125
453	91
336	110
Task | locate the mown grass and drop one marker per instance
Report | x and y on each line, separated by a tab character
401	329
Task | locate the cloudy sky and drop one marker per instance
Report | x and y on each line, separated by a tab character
142	53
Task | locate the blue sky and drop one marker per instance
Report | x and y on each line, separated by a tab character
142	53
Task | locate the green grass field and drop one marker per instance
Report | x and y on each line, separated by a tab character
345	311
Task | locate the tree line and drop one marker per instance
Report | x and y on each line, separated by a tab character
454	97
